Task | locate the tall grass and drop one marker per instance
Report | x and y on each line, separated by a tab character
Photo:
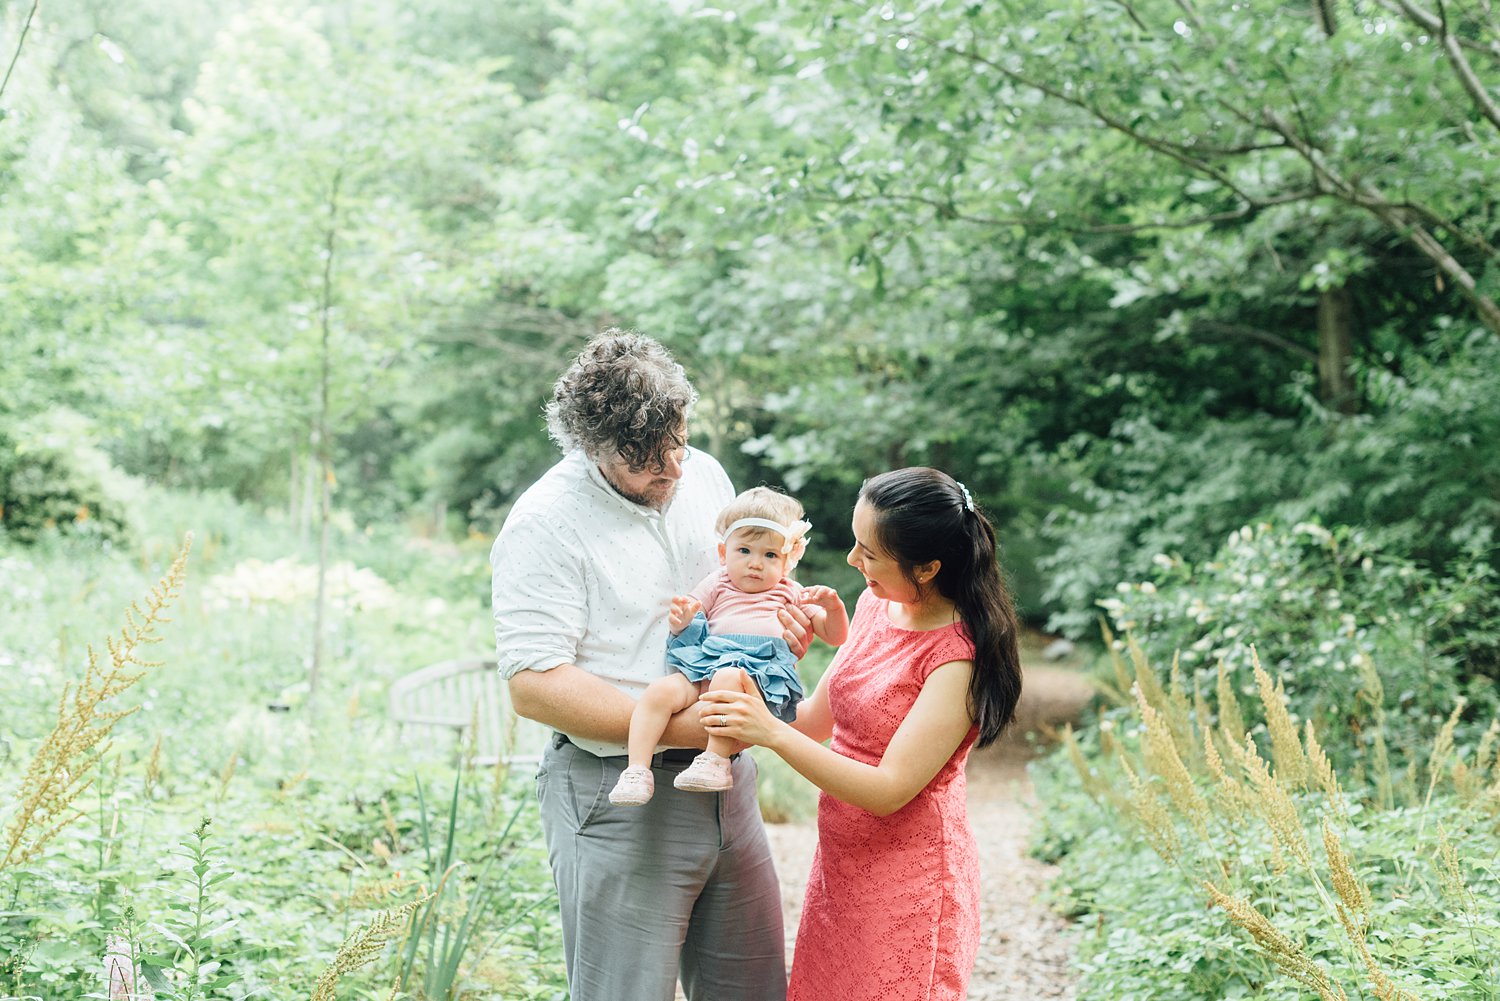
1381	886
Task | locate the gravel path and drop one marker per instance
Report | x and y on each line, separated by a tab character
1025	948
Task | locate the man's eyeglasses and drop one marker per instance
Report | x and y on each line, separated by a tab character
680	451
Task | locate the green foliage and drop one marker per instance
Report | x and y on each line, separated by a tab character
1147	491
458	906
54	478
1417	471
1421	467
875	237
1316	883
1322	608
305	809
190	964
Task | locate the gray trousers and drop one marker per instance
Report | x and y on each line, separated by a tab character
685	883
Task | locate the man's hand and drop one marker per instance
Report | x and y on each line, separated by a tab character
683	610
797	629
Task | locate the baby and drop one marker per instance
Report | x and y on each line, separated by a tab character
726	634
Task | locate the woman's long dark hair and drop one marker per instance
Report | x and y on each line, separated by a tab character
924	514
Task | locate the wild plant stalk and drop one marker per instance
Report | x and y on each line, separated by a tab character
1164	792
1455	887
226	775
1372	693
195	975
63	766
104	843
1442	747
363	947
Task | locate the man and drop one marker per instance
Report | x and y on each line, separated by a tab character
584	572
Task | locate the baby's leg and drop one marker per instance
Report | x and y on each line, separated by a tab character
730	679
648	721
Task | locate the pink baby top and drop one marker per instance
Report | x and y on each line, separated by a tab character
731	611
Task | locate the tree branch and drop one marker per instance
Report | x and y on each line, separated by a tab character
1393	215
1187	156
1433	23
1470	82
1256	334
946	210
25	27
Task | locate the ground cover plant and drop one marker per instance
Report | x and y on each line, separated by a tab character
191	821
1293	790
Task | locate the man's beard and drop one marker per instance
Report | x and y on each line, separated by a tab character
657	494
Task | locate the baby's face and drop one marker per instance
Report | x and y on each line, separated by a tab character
753	560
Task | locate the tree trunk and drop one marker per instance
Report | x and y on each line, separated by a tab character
323	449
1336	350
1323	14
293	485
309	488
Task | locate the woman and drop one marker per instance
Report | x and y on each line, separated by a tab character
929	670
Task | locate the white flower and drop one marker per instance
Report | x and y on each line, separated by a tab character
1314	531
1148	588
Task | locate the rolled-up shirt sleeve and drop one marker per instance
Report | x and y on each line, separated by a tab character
539	592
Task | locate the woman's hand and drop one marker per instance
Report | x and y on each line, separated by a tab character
830	620
823	596
740	716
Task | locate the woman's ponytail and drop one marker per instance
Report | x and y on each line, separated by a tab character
924	514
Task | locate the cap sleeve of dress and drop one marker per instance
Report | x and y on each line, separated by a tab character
953	644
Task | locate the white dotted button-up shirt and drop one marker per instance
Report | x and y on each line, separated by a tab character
583	576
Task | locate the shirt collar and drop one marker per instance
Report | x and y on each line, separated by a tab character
596	477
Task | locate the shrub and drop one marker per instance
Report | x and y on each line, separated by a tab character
1421	468
1160	491
1355	632
53	478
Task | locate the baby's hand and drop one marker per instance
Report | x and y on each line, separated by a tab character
823	596
683	610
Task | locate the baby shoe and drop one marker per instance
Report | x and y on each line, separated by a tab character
708	772
634	787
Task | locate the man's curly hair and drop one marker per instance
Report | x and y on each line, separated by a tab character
624	395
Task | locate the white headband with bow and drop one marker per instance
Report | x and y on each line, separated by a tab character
795	535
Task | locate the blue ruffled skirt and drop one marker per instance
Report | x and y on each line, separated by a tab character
767	659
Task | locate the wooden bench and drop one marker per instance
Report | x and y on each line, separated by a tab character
444	700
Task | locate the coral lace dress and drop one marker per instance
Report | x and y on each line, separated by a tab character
892	908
